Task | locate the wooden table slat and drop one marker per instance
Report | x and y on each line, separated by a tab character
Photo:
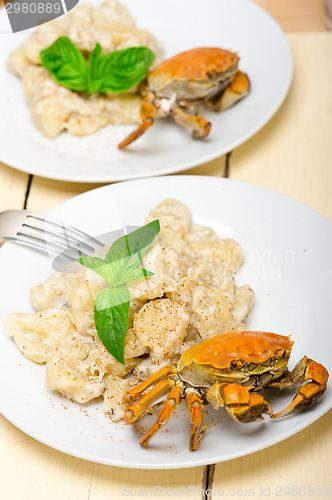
43	470
13	187
296	16
304	460
292	153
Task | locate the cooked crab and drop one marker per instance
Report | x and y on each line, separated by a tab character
180	84
227	370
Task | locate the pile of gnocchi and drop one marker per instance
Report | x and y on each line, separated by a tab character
54	108
191	297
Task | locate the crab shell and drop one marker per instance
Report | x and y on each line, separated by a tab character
235	357
194	74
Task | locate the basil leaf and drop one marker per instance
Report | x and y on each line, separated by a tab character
120	70
136	242
117	71
135	274
111	315
111	307
99	266
66	64
118	272
94	81
119	268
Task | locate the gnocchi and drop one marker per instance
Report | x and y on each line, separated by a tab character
54	108
191	297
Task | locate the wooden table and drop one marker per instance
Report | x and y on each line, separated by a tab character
291	154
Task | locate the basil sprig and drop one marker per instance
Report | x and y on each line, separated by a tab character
117	71
111	307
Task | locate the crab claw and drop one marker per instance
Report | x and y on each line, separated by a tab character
199	125
243	406
147	123
317	376
236	90
148	114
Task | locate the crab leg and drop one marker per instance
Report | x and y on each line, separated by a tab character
195	406
237	89
148	114
137	391
201	127
317	376
243	406
170	404
137	409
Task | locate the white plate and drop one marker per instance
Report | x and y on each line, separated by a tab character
238	25
287	250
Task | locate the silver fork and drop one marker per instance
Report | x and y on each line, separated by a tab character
42	232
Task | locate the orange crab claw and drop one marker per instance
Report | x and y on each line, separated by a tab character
148	114
201	127
243	406
170	404
317	376
147	123
236	90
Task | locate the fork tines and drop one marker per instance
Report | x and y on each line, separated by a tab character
42	232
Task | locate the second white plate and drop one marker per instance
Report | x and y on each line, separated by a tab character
239	25
287	250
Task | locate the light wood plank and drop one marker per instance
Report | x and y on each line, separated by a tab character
46	193
292	155
140	483
293	152
215	168
13	185
297	15
40	469
302	460
47	473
